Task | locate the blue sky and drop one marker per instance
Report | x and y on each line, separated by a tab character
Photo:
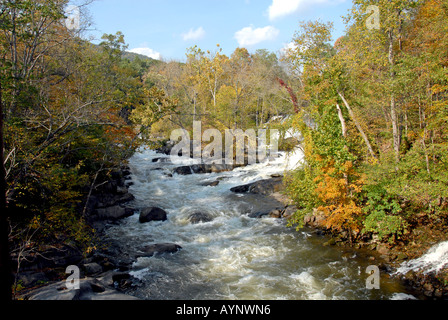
164	29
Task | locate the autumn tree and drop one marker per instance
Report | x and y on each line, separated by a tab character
334	183
66	104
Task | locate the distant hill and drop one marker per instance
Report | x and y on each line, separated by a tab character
132	56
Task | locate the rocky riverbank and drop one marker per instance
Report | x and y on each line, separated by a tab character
42	275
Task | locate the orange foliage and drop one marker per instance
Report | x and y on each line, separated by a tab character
338	190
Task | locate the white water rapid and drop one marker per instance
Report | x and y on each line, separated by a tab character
433	261
233	256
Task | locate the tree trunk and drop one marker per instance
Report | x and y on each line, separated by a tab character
358	126
393	108
395	128
342	120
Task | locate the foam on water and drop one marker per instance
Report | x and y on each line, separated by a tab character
233	256
433	261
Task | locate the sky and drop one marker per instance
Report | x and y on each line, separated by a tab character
165	29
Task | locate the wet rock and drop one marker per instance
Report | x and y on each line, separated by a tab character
92	268
199	169
158	249
276	214
120	278
210	184
89	289
330	242
166	148
289	212
315	220
184	170
262	187
217	168
152	214
402	256
107	200
199	217
382	249
160	160
113	213
203	169
241	189
258	215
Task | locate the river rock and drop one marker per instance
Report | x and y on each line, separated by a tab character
276	214
159	248
217	168
161	160
184	170
89	289
113	213
152	214
199	217
258	215
262	187
210	184
203	169
289	211
316	219
92	268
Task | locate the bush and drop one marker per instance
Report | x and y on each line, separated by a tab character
383	214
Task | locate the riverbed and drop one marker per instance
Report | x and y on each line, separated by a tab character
234	256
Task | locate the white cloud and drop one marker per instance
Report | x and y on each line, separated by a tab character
288	48
193	34
147	52
249	36
280	8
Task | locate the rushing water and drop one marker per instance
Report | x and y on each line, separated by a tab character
434	260
234	256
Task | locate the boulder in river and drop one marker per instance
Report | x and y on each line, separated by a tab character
184	170
210	184
258	215
199	217
113	213
152	214
203	169
263	187
159	248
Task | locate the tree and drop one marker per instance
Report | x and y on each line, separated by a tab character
334	179
387	50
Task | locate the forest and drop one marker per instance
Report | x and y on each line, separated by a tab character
376	154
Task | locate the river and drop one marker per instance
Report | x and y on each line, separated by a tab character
234	256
